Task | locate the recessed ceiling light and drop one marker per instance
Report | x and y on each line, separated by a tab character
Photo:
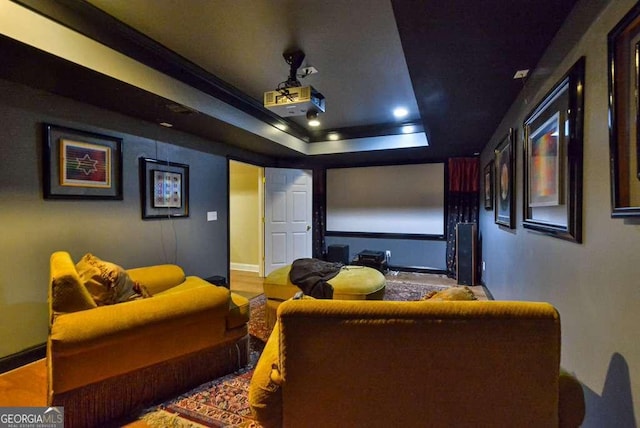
408	129
312	117
333	136
166	124
281	126
521	74
400	112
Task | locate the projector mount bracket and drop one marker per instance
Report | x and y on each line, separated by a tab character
294	59
290	98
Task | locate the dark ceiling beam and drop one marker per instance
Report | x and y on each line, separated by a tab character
92	22
32	67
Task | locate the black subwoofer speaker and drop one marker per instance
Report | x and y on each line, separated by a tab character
338	254
466	237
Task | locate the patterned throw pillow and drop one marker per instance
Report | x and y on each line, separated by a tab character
107	282
451	293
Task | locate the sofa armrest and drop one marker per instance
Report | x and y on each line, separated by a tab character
110	340
571	407
265	394
157	278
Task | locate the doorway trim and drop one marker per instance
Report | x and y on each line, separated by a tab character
259	215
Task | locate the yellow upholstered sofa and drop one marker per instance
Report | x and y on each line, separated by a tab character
105	362
331	363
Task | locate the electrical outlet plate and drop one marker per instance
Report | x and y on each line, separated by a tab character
306	71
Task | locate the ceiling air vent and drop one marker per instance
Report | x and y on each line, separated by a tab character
180	109
269	98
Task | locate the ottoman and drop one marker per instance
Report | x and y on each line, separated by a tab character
352	283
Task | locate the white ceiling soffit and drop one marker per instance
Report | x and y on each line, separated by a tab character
28	27
401	141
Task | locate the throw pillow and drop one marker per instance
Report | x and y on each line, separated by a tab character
107	282
451	293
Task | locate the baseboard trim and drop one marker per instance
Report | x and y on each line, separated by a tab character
245	267
418	269
21	358
487	292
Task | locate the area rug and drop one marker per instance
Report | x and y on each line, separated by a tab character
224	402
402	289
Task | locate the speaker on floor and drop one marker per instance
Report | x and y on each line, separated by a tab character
466	238
338	254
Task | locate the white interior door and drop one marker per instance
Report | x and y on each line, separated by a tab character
288	216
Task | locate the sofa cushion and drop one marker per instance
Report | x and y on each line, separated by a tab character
107	282
158	278
189	283
451	293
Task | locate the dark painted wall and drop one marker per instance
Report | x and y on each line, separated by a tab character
594	285
405	253
32	227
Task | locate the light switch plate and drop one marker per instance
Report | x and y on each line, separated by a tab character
212	215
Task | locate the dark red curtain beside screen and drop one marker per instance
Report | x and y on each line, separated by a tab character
463	200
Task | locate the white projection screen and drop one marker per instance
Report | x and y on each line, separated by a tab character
401	199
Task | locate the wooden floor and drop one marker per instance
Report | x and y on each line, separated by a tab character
249	284
25	386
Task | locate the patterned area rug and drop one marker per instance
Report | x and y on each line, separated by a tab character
224	402
410	287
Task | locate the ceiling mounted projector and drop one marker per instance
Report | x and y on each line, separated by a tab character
291	98
295	101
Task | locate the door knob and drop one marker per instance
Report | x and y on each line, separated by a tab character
308	228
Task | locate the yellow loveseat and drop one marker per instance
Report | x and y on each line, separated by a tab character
331	363
105	362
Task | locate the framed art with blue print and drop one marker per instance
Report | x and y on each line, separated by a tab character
164	189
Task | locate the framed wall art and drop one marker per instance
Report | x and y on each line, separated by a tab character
543	163
553	134
80	164
624	113
164	189
488	186
505	181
